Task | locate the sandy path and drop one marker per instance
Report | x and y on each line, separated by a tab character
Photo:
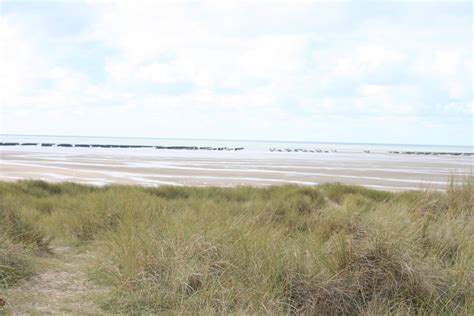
62	288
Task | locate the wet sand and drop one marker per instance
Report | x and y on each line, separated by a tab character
147	166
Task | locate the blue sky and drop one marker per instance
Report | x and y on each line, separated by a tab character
349	71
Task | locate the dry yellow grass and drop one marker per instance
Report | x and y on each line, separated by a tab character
329	249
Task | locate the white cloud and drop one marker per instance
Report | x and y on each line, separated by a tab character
17	63
198	50
365	59
383	99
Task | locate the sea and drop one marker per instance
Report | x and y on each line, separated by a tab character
254	145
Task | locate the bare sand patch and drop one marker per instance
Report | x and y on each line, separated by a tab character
171	167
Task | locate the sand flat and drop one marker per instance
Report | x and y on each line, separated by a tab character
149	166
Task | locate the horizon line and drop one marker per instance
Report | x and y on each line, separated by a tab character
242	140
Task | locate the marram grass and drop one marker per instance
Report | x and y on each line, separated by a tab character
328	249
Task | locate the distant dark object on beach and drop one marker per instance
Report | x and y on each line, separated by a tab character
296	150
64	145
47	145
106	146
10	144
428	153
82	145
29	144
177	147
197	148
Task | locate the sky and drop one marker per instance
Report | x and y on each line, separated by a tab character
341	71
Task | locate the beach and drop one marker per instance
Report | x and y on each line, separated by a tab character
152	167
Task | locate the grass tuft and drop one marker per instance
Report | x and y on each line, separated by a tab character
15	263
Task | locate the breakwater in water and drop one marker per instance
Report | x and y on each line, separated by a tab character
122	146
226	148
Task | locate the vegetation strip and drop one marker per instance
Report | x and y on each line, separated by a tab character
327	249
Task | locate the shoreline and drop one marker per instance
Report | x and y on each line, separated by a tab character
225	148
150	167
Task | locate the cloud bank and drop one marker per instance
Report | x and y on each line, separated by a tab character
393	72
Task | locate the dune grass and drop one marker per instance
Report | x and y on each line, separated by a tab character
328	249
